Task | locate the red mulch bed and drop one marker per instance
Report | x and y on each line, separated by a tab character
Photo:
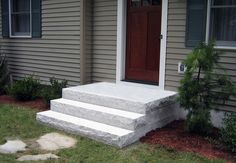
173	136
38	104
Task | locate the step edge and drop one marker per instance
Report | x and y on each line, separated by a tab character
121	113
107	138
69	120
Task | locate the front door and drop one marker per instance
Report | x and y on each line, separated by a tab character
143	41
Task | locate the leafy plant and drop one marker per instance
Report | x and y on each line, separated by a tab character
54	90
26	89
228	132
4	74
202	87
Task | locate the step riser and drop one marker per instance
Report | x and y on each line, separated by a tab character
106	138
109	119
153	126
104	101
87	132
162	113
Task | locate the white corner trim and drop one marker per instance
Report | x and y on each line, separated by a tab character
208	21
121	44
164	26
121	40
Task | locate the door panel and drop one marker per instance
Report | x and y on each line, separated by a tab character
136	46
153	41
143	41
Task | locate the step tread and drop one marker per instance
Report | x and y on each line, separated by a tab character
87	123
128	93
122	113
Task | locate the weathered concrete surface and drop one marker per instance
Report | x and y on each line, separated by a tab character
41	157
12	146
55	141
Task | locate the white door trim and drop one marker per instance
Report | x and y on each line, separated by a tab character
121	44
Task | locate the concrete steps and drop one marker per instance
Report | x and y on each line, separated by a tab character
114	114
118	118
105	133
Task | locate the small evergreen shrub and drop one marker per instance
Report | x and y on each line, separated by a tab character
26	89
200	120
54	90
4	74
228	132
203	88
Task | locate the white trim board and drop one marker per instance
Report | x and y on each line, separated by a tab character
121	44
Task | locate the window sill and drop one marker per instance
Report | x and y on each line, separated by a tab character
225	47
23	36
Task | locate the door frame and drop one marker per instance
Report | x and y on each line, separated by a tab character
121	45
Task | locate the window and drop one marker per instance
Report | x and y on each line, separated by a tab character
223	22
20	18
139	3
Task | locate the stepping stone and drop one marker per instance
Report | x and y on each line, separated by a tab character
42	157
12	146
55	141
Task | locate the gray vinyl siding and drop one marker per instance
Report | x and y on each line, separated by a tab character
104	40
176	50
57	53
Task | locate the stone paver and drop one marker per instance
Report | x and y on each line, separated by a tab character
12	146
55	141
41	157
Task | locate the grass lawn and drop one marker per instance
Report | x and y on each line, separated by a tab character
18	122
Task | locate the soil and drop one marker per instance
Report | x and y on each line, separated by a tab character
38	104
173	136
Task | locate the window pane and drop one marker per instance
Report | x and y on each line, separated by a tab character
20	25
223	24
147	2
20	5
224	2
156	2
135	3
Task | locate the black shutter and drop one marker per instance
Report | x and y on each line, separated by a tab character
36	18
196	22
5	18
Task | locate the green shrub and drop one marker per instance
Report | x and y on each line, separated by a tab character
4	74
54	90
228	132
26	89
202	88
200	121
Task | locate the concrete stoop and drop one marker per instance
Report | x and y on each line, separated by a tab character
111	113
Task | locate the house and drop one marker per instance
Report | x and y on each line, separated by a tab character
137	44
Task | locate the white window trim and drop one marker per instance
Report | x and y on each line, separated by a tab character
121	45
208	29
10	25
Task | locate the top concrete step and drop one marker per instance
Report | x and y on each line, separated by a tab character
130	98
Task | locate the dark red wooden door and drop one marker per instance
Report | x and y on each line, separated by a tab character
143	40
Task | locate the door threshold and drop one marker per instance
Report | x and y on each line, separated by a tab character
136	84
141	82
